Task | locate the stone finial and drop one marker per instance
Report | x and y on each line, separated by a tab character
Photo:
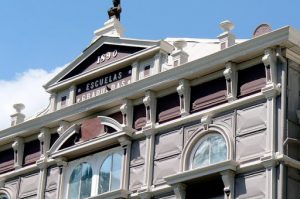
227	38
179	55
18	117
227	26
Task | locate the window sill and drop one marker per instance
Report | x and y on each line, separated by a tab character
121	193
198	173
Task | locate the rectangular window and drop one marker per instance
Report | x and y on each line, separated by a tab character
147	71
168	107
208	94
63	101
251	80
6	160
139	116
32	152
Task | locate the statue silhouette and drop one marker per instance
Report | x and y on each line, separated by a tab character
116	10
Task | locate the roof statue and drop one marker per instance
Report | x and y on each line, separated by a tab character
116	10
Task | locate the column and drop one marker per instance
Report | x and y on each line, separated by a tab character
230	74
184	92
18	147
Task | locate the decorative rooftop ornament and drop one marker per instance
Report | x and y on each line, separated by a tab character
116	10
262	29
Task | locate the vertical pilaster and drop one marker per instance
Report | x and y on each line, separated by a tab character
230	74
184	92
271	90
53	102
42	179
18	147
126	145
127	112
135	72
72	93
157	63
150	139
62	167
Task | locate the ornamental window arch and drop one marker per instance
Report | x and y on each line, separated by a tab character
4	194
207	147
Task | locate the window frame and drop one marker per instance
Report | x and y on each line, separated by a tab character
3	194
198	143
95	161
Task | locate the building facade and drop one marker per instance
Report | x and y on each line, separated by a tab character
175	118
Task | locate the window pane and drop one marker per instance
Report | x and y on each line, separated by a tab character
116	172
218	149
105	175
86	181
212	149
74	183
201	157
3	196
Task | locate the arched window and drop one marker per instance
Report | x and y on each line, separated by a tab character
110	173
3	196
209	150
80	182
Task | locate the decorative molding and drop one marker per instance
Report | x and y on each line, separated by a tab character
150	104
63	126
44	138
127	112
184	92
230	74
18	147
270	62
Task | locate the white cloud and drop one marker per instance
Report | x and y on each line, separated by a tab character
26	88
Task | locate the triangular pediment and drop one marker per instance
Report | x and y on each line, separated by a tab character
101	54
106	54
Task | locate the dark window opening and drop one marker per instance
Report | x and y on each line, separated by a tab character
147	71
208	94
251	80
139	116
32	152
168	107
6	160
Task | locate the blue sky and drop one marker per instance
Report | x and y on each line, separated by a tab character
38	37
47	34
